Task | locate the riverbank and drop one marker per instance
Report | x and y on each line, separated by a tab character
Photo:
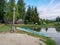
19	39
6	28
46	40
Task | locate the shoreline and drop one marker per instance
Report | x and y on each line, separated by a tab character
18	39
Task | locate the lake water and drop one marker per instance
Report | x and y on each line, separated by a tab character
52	32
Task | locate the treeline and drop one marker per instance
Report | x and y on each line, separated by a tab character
30	16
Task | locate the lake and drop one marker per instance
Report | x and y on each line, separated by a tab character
52	32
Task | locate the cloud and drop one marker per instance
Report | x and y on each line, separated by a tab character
51	2
49	12
57	5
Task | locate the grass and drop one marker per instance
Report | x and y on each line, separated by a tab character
49	41
5	28
35	26
28	25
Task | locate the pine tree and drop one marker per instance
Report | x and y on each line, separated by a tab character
28	15
32	15
36	17
21	9
2	5
58	19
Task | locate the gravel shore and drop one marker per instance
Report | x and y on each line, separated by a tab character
18	39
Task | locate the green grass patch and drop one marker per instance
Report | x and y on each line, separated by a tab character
5	28
49	41
35	26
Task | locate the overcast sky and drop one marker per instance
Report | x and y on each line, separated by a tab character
48	9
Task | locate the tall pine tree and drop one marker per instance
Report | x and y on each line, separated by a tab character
28	15
32	15
21	8
2	6
36	16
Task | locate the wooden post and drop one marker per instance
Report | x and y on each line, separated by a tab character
13	27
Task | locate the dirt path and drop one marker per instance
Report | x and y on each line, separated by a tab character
18	39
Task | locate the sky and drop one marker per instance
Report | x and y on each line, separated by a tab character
47	9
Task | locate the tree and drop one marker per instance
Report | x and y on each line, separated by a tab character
35	16
6	12
58	19
9	11
21	9
32	15
28	15
2	6
11	6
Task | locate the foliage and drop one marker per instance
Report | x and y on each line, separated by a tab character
58	19
32	16
21	9
6	12
9	11
2	6
28	15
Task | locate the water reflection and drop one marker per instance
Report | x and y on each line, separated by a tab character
53	32
46	29
58	29
36	29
